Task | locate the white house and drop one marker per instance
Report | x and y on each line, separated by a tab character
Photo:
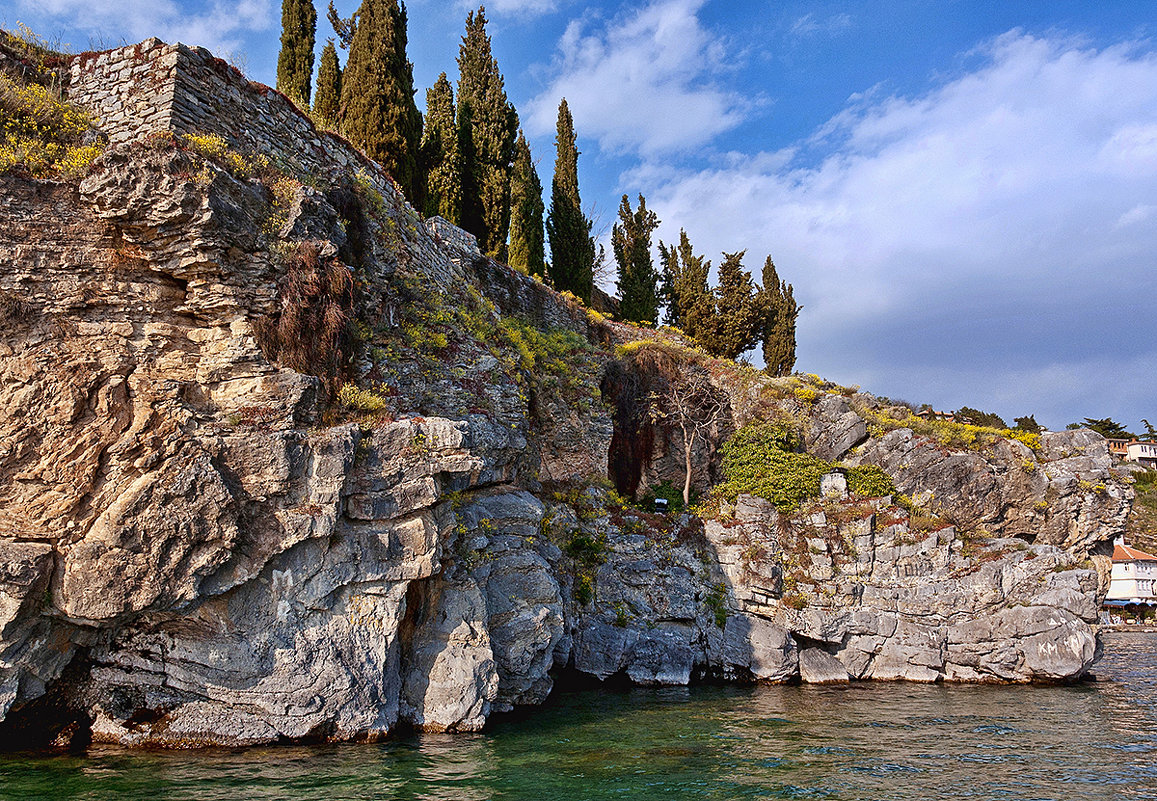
1144	453
1134	577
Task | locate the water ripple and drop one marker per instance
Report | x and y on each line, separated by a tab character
898	742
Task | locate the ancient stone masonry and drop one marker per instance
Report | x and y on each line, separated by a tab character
201	544
155	86
131	90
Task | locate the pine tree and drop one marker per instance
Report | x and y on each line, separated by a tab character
638	281
327	99
378	113
734	328
487	123
527	253
572	250
441	155
295	61
683	289
778	312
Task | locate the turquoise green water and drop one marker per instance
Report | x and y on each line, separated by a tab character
867	741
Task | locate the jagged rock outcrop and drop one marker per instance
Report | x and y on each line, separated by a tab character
281	462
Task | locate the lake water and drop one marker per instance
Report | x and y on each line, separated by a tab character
867	741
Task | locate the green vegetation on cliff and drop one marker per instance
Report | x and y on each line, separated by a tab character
1142	526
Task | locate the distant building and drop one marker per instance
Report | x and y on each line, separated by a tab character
1134	577
1119	448
1143	453
930	414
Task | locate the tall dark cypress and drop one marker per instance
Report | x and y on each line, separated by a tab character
734	329
378	113
488	124
572	250
778	312
686	295
327	98
527	250
295	61
638	281
441	154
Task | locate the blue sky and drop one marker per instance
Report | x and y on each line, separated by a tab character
964	194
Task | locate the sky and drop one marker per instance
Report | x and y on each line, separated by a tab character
963	194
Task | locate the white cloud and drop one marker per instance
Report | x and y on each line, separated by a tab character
641	82
991	223
219	26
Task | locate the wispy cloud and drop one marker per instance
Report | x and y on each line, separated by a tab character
218	25
978	224
513	7
810	25
643	82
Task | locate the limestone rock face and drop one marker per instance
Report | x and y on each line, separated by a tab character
837	428
817	666
279	461
891	602
450	680
1067	496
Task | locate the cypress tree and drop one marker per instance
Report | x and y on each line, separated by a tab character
735	327
684	291
344	27
638	281
527	252
295	61
778	312
488	124
378	113
441	155
572	250
327	99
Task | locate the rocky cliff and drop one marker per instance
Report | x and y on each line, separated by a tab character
281	461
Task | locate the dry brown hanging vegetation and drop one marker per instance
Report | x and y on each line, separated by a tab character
310	330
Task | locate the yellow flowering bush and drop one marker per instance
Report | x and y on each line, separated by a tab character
41	132
216	149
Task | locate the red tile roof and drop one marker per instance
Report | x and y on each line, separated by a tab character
1123	553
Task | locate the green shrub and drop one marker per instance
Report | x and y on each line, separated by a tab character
870	481
584	589
756	461
665	489
362	400
588	550
216	149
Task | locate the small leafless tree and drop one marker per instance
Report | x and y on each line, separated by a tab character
692	403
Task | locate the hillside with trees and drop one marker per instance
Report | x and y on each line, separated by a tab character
468	161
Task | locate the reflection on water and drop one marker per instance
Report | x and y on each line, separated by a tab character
866	741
